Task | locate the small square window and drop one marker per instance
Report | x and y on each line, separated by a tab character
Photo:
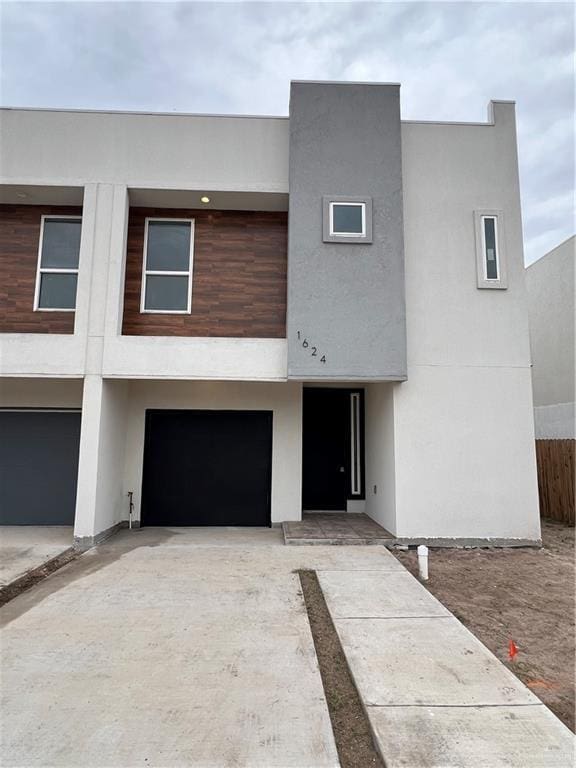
167	273
347	220
58	259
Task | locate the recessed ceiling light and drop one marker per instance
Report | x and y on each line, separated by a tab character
205	199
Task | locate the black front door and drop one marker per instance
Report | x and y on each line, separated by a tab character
329	453
207	468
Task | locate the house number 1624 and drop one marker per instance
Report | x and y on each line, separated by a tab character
313	350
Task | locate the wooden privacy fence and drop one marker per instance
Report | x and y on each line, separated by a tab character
555	460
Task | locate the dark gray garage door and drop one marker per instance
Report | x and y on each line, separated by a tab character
207	468
38	467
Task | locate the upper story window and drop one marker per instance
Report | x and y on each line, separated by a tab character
490	264
167	273
347	219
58	257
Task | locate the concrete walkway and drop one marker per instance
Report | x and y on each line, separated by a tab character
435	696
184	647
24	547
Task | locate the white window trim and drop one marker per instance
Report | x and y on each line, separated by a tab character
483	281
51	270
167	273
334	233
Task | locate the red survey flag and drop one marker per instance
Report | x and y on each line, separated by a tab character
512	650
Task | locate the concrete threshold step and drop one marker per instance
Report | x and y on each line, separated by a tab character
296	541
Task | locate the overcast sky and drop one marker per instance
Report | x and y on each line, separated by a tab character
451	59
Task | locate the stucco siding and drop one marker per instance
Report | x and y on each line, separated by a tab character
464	454
144	150
346	314
551	292
463	428
380	454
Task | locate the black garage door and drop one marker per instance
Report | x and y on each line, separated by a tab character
207	468
38	467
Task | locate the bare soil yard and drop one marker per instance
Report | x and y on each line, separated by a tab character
526	595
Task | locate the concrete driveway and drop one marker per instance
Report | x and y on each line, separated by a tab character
24	547
183	647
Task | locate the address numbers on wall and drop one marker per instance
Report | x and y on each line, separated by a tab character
310	348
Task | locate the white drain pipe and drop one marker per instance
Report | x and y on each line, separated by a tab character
130	509
423	562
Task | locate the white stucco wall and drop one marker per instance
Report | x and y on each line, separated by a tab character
551	293
465	459
284	400
380	480
100	501
464	440
144	150
42	354
555	422
161	357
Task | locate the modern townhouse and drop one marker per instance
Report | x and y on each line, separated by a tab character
227	320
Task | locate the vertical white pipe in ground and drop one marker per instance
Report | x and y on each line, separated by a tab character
423	562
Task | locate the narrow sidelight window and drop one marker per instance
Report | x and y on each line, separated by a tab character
491	270
490	256
167	272
58	258
355	465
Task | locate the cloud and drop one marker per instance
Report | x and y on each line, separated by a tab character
451	59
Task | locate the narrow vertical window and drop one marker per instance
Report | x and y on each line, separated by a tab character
355	464
58	259
167	274
491	270
490	255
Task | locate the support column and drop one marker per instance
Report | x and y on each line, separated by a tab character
102	262
99	498
100	502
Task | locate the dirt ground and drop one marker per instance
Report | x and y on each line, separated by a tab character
349	721
526	595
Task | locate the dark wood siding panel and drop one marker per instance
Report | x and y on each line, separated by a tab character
19	237
239	279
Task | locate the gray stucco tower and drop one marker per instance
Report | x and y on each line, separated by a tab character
346	299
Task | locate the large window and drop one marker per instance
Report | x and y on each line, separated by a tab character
167	271
58	256
490	263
